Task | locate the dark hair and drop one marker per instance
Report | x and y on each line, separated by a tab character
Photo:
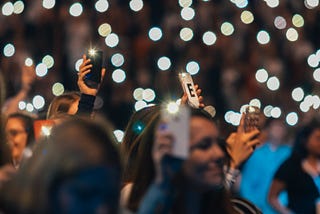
27	121
300	151
75	146
134	132
61	104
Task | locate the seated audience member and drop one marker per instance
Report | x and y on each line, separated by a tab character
299	174
196	185
257	173
20	135
75	170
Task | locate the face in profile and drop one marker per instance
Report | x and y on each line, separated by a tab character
206	159
313	143
17	137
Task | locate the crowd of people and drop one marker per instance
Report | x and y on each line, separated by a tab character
65	157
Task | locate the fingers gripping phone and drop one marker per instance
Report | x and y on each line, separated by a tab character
188	87
93	78
177	120
252	118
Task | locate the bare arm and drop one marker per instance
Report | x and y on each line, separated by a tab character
276	187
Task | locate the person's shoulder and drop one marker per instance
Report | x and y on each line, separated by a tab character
244	206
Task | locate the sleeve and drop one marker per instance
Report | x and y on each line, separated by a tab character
86	104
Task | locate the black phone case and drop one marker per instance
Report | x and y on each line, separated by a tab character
93	78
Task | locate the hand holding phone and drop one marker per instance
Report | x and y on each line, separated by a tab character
93	78
252	118
188	87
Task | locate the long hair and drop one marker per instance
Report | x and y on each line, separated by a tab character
74	146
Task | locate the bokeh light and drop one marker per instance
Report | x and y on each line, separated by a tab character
185	3
272	3
140	105
280	22
7	9
48	61
292	118
155	34
77	64
57	89
148	95
48	4
247	17
41	70
267	110
262	75
22	105
117	60
118	75
311	3
172	107
209	38
138	94
9	50
38	102
297	94
119	134
297	20
102	6
28	62
316	75
255	102
18	7
192	67
29	107
313	61
164	63
136	5
292	34
187	13
76	9
186	34
112	40
104	29
276	112
227	29
273	83
263	37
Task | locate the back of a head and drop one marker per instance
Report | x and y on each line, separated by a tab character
80	156
61	104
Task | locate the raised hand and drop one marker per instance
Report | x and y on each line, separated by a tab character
184	98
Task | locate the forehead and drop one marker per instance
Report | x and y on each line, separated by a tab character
14	123
202	127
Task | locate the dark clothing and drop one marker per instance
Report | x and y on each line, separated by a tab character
302	191
86	104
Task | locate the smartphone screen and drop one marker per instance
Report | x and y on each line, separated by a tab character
93	78
188	87
178	125
252	118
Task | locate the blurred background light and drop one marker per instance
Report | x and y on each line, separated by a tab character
38	102
136	5
77	64
118	75
28	62
102	6
280	22
273	83
297	94
247	17
227	29
255	102
155	34
164	63
140	105
22	105
104	29
185	3
41	70
192	67
48	61
292	118
29	107
186	34
57	89
292	35
119	134
272	3
148	95
7	9
187	13
297	20
209	38
262	75
276	112
263	37
112	40
18	7
138	94
267	110
9	50
48	4
76	9
313	61
117	60
310	4
316	75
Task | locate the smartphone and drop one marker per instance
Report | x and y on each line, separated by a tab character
188	87
252	118
177	123
93	78
42	128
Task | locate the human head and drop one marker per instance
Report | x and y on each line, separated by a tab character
277	131
307	140
75	170
66	103
19	133
137	127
